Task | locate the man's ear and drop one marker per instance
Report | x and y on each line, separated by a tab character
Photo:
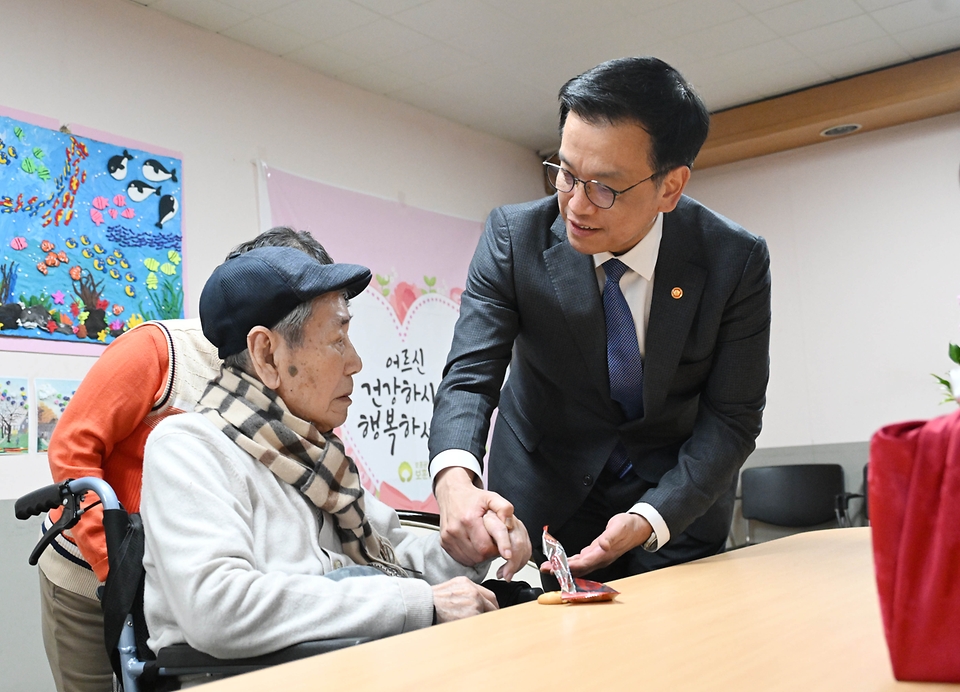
262	345
672	187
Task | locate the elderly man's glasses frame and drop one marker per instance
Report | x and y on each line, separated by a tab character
600	195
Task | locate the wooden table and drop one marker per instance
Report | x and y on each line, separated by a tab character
797	613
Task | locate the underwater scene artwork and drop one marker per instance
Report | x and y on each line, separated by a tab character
90	236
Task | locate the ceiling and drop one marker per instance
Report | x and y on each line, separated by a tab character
496	65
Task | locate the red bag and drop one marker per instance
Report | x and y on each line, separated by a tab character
914	501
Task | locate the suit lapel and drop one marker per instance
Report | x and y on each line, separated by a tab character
678	267
574	280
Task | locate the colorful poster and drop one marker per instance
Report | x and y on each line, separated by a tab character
14	416
52	398
403	323
90	237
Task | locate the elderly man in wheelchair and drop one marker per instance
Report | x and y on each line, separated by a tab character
258	533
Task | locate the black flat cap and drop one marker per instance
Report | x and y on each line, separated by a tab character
262	286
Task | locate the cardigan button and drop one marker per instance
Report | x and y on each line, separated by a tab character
337	564
588	479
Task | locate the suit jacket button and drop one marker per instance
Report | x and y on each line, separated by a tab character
588	479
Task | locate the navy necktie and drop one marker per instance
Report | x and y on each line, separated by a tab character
624	363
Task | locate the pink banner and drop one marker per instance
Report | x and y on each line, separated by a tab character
403	322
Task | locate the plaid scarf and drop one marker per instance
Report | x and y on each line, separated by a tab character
256	420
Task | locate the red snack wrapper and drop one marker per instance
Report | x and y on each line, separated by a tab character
573	590
557	557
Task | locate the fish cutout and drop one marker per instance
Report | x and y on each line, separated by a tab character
62	256
111	261
168	269
117	165
130	277
125	265
117	309
155	172
76	273
71	243
100	203
86	253
128	213
46	246
42	268
129	291
98	265
119	201
98	248
52	260
19	243
113	213
96	217
152	281
84	240
114	274
168	209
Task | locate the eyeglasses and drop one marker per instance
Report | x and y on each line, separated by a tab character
600	195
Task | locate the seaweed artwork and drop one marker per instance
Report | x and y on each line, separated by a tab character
90	236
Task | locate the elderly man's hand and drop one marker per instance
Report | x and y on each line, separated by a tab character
623	532
460	598
476	524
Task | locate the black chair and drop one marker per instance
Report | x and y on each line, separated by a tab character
795	496
125	631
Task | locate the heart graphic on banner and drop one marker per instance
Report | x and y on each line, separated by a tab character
389	421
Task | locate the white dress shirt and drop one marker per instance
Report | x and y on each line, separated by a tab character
637	288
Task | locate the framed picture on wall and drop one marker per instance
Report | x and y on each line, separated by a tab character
91	238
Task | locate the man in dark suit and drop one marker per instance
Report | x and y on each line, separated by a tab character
636	325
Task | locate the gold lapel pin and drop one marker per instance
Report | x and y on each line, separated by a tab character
677	293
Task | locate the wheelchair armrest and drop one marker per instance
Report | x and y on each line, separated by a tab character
181	659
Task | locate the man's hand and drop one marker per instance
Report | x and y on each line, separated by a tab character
476	525
460	598
519	549
624	532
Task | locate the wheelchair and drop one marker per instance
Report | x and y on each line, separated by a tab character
135	666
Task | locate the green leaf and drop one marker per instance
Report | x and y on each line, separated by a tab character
945	383
429	280
955	353
383	281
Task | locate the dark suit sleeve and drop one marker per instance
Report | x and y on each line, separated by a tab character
482	344
728	420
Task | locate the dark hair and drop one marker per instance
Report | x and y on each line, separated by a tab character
284	236
648	92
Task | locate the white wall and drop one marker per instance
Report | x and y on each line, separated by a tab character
864	237
125	69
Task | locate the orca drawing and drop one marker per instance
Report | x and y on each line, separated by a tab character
155	172
139	190
117	165
168	207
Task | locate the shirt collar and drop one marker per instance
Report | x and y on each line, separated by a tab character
642	257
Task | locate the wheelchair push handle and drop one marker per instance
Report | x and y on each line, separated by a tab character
68	494
39	501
